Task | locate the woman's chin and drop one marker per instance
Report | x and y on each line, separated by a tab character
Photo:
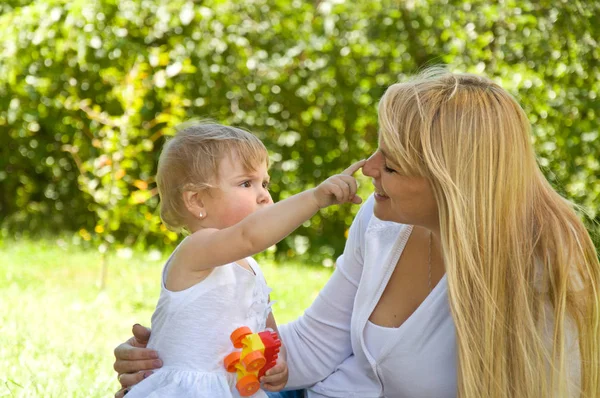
384	213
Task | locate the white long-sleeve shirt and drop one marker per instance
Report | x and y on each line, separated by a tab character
327	351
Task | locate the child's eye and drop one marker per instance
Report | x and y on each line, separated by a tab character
246	184
265	184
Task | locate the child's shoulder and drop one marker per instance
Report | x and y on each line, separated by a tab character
177	276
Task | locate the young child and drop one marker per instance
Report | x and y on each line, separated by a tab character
213	182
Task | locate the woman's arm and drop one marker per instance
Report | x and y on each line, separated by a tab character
320	340
133	361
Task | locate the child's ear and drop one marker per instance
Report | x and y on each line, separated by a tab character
194	204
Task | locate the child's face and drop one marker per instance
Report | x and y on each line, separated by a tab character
237	194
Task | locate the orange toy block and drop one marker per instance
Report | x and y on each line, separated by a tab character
259	354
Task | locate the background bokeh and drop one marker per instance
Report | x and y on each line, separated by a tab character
89	90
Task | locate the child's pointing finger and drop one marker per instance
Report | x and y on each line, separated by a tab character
354	168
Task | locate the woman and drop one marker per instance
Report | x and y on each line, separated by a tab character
465	274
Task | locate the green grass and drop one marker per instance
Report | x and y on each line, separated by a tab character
58	329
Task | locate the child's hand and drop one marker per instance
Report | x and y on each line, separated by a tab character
340	188
276	378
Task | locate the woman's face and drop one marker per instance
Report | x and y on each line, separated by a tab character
399	198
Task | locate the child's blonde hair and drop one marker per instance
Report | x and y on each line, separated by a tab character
190	162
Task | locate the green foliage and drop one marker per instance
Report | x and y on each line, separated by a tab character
89	90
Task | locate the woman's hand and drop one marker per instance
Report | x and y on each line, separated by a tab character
276	378
340	188
133	361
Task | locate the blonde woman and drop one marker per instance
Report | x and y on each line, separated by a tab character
465	274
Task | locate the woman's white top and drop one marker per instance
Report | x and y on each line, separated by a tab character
335	351
376	337
191	329
331	348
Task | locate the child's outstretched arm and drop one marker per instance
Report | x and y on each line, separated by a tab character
209	248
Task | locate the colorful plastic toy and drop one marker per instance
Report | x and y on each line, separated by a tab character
259	354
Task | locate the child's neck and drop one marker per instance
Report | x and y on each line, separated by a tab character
194	227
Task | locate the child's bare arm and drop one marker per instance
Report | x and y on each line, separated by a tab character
209	248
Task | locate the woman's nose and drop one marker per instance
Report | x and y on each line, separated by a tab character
370	168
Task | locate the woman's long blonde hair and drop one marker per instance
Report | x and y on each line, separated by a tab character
523	274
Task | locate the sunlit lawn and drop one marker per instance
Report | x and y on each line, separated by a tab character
58	330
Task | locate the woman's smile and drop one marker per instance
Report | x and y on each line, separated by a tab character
380	197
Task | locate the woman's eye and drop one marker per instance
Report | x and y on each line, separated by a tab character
388	170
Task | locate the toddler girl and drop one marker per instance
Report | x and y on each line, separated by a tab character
213	182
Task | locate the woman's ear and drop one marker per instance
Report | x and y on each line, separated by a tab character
194	204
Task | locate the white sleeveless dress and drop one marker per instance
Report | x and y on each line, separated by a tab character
191	329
